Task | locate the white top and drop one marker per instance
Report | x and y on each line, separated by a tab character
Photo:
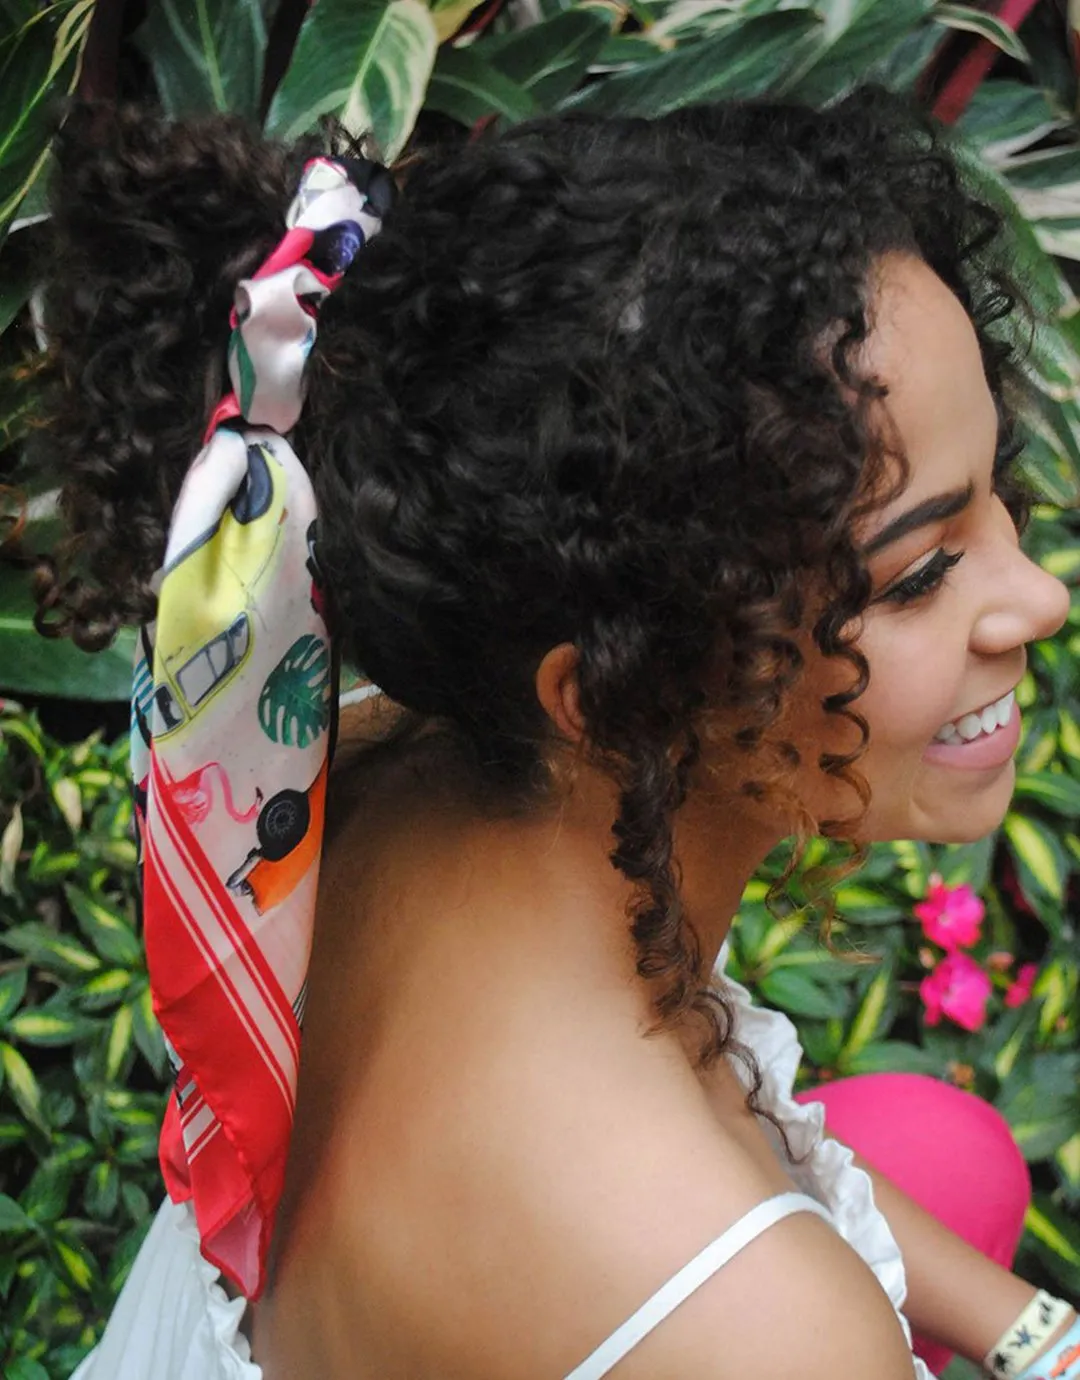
174	1321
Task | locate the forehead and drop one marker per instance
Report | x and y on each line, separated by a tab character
923	347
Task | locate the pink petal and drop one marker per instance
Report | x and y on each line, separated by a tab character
968	989
1020	991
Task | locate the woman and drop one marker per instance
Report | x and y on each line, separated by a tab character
662	473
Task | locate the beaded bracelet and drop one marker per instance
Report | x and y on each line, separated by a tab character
1023	1341
1061	1361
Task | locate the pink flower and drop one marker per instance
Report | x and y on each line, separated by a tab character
1020	990
951	915
957	988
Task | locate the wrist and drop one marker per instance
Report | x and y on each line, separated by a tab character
1060	1360
1042	1344
1033	1339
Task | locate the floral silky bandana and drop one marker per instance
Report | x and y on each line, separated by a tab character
233	711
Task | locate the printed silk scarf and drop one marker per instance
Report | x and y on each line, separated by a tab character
233	710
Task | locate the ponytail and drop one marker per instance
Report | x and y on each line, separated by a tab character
153	225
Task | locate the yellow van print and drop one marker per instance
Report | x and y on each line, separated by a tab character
212	588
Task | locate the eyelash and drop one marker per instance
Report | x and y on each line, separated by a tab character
929	577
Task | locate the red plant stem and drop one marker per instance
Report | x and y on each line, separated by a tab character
101	56
477	23
956	94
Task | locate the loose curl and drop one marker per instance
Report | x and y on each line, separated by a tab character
595	382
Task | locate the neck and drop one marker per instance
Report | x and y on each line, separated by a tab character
718	846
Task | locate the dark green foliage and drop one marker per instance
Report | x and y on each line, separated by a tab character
81	1056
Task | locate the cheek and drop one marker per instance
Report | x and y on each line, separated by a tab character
914	677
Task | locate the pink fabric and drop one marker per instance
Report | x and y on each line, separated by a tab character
948	1149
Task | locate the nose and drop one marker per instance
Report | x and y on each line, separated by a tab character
1023	603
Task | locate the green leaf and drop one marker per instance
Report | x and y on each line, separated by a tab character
871	1018
12	1217
294	703
106	928
1006	116
367	62
1069	736
821	1041
147	1032
34	665
1039	744
892	1056
1048	1224
684	20
856	35
1041	1102
1031	266
206	55
548	60
77	1266
39	63
1064	564
105	989
1056	989
55	952
24	1368
45	1198
1046	465
1042	866
789	989
739	62
1068	1161
102	1191
967	863
23	1086
780	934
50	865
862	906
12	991
974	21
120	1041
41	1026
467	88
135	1200
1054	790
72	1151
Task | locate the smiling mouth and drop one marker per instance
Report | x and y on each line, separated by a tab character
979	724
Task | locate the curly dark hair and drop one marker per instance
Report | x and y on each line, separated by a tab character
575	391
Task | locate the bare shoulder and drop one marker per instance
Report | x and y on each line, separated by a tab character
796	1301
514	1244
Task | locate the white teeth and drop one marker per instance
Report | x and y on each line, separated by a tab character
972	726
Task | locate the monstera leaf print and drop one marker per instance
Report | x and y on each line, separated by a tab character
294	704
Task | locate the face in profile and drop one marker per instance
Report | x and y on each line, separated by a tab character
954	599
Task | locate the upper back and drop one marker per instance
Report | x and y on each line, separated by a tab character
489	1174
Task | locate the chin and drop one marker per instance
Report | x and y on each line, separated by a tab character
973	815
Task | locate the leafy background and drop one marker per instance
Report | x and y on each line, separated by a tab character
81	1059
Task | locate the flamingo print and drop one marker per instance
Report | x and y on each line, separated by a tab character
193	796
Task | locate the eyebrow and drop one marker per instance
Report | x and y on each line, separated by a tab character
936	509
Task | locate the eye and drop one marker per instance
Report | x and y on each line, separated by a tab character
923	581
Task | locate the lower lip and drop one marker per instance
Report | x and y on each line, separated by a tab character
986	751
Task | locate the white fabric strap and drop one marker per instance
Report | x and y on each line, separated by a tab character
690	1278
